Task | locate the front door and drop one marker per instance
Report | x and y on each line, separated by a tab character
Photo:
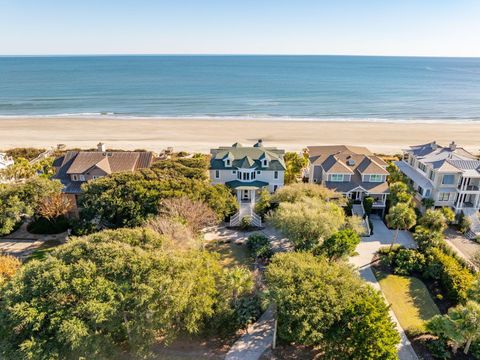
245	194
357	195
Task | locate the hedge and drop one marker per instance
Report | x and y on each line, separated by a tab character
454	278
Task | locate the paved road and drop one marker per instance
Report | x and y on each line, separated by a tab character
382	236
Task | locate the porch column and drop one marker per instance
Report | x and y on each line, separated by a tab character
239	195
252	197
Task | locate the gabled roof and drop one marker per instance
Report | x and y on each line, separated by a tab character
81	162
248	157
346	159
446	159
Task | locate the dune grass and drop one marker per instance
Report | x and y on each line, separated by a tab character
410	300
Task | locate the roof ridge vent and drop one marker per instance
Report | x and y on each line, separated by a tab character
350	162
434	145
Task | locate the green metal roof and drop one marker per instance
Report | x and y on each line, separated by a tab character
247	157
253	184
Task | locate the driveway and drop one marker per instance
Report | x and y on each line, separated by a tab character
382	236
464	247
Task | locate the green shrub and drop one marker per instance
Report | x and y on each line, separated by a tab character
45	226
464	224
438	349
408	261
455	278
368	204
259	246
246	223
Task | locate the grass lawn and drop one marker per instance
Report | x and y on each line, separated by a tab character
410	300
231	254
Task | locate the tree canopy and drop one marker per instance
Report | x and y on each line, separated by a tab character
327	305
129	199
110	292
19	199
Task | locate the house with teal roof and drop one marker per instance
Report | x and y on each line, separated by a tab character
247	170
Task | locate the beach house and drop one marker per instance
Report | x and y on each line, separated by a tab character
351	170
5	161
448	175
77	167
247	170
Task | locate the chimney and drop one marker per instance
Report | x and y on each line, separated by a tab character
259	143
101	147
433	145
453	146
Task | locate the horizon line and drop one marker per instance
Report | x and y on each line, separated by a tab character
232	54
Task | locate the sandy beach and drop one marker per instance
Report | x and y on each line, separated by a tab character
201	135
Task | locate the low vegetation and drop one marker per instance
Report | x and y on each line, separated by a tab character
326	305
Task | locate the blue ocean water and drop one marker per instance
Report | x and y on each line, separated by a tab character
303	87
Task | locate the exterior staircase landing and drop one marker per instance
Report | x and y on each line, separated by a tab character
246	210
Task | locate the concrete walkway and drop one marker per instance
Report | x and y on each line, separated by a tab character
382	236
256	341
21	243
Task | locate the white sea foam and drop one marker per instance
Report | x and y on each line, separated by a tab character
246	117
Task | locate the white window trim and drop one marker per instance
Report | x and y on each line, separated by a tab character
81	177
74	177
276	174
331	177
217	174
379	179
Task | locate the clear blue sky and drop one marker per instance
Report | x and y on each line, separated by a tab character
363	27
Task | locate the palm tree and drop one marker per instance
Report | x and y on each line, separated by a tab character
400	217
461	325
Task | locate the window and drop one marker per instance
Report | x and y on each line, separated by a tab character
376	178
253	175
234	171
420	190
217	174
412	160
82	177
336	177
239	175
432	175
95	177
264	163
227	162
448	179
74	177
246	176
443	196
259	172
422	167
275	174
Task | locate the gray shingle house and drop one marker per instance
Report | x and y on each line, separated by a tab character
351	170
247	170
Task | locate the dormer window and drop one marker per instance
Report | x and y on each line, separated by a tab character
228	162
264	162
74	177
376	178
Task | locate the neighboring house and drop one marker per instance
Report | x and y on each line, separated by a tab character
77	167
5	161
247	170
450	176
351	170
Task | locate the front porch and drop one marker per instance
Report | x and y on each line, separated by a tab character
357	195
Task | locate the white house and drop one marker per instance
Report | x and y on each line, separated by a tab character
450	176
5	161
247	170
